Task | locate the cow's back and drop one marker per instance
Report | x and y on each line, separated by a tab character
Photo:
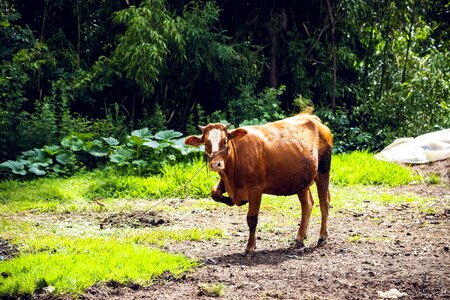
283	157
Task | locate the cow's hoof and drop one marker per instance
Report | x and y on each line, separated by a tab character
249	253
322	241
299	244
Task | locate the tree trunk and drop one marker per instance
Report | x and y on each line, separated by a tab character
273	34
386	44
411	24
333	42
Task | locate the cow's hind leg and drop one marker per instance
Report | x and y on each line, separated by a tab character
322	182
217	193
307	203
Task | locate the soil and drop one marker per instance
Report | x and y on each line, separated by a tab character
386	252
136	219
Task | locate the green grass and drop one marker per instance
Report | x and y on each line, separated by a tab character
363	168
73	194
159	236
72	265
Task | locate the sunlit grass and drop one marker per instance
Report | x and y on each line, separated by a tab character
77	193
70	265
161	236
363	168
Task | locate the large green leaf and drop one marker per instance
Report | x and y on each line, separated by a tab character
96	148
36	170
151	144
140	163
15	166
37	155
121	156
52	150
63	158
168	135
111	141
136	140
73	143
143	133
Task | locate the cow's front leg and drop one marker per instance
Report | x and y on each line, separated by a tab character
252	221
217	193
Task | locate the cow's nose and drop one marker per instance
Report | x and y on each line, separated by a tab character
216	166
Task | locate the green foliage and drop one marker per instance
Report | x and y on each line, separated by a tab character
251	109
141	153
151	31
347	136
175	65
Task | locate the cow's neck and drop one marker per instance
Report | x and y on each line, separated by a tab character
229	174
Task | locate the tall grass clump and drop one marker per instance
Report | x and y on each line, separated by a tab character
173	181
361	167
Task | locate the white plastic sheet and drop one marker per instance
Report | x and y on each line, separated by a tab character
425	148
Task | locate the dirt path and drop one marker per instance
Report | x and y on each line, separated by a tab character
384	248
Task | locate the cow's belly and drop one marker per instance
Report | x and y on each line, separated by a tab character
287	185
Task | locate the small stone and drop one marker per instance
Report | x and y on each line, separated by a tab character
49	289
446	248
210	261
391	294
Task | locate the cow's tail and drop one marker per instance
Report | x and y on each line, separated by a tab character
309	110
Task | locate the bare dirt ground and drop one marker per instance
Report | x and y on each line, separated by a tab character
385	247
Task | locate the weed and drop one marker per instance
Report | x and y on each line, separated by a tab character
211	290
354	238
432	179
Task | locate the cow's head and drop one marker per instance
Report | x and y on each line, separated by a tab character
216	138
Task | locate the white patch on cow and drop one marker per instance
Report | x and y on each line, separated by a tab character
214	137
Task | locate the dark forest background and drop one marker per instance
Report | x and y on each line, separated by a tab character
373	70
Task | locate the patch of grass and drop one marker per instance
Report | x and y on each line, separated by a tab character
75	193
172	178
211	289
161	236
72	265
433	179
354	238
357	238
363	168
43	194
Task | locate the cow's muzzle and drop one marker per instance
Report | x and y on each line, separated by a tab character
217	165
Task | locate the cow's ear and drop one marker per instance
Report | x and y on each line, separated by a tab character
193	140
237	134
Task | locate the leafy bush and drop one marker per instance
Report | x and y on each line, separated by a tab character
347	133
251	109
141	153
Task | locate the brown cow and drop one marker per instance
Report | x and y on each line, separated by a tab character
280	158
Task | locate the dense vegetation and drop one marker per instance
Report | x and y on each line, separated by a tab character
373	70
